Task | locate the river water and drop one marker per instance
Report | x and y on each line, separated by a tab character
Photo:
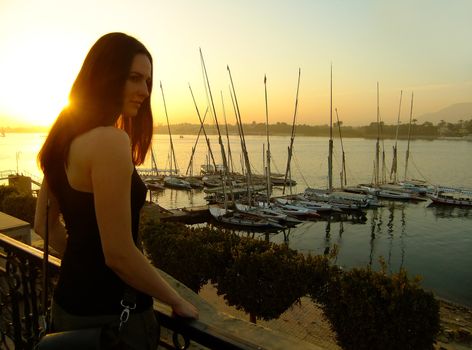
431	241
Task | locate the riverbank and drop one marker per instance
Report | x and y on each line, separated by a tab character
192	130
456	327
306	321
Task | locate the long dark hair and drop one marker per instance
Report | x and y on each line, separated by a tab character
96	99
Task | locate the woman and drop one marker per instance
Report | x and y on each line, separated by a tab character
89	160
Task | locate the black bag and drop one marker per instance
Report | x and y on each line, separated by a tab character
83	339
103	337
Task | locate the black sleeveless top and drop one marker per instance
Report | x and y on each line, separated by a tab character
86	285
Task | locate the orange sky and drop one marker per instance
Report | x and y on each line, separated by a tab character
421	46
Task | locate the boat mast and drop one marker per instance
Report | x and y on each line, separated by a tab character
190	163
220	141
290	148
172	155
230	157
242	157
377	145
343	167
393	171
384	167
269	189
243	140
409	137
153	162
330	149
202	127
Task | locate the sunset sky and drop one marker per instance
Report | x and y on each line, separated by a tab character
420	46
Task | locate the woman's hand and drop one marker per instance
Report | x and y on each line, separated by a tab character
184	309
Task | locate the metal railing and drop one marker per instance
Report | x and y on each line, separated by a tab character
6	174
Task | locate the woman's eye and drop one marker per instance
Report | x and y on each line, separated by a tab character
134	78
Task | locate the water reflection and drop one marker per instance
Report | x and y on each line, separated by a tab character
383	235
402	235
373	225
327	237
174	198
360	239
390	227
449	211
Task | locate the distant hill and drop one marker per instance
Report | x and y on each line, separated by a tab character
450	114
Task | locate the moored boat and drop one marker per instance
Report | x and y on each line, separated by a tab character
237	218
194	181
452	198
297	211
390	193
175	182
154	185
336	199
268	213
303	202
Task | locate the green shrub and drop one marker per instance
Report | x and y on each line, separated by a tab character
171	248
246	271
6	191
318	271
263	279
370	310
20	206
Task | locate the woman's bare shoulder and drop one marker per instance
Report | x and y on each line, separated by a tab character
101	139
107	134
106	143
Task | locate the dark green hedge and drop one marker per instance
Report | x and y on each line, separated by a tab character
21	206
262	279
371	310
367	309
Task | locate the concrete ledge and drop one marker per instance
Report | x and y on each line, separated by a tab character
15	228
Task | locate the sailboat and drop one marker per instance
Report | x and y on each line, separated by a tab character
225	214
393	170
297	211
242	218
152	179
173	181
266	209
270	213
456	198
288	170
379	187
301	201
338	199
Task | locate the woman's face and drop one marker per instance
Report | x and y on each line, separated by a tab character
136	86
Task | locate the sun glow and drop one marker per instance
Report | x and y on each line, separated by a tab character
36	79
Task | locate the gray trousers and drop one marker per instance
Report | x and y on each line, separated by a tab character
141	332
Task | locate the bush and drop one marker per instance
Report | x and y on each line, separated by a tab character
370	310
21	206
264	279
246	271
318	272
6	191
367	309
171	248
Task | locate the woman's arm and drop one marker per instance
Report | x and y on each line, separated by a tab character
111	171
57	232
